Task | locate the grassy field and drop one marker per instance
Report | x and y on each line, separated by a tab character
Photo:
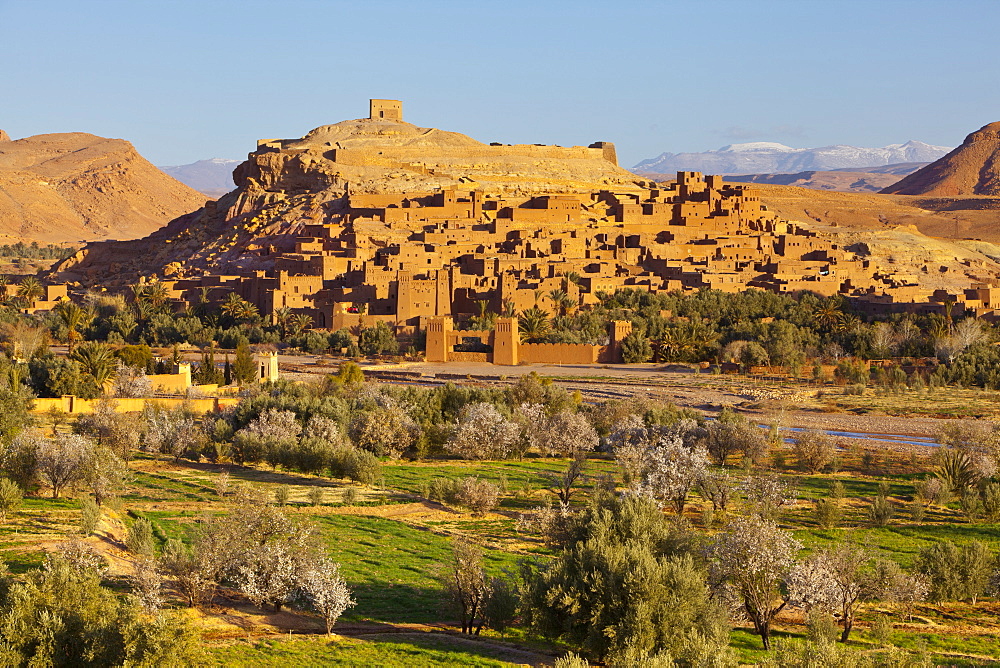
391	545
417	650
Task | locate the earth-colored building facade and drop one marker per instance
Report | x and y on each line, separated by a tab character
429	260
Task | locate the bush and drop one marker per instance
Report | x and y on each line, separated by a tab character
444	490
956	573
355	464
64	617
827	513
139	539
636	348
11	497
90	516
479	496
880	512
814	450
378	340
281	495
625	589
316	496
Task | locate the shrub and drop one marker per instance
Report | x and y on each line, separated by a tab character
355	464
11	497
90	516
444	490
479	496
316	496
281	495
880	512
814	450
956	573
827	513
139	539
636	348
349	496
378	340
500	606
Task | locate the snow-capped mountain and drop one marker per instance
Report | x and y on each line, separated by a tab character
771	158
212	177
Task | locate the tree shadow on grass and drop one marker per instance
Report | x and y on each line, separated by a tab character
251	474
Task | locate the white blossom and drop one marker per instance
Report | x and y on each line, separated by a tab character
483	433
326	590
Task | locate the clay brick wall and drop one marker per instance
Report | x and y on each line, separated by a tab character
558	353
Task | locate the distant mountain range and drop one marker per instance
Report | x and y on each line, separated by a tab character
772	158
847	180
213	177
971	169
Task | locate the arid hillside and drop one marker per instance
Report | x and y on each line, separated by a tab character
287	183
971	169
949	217
946	238
73	187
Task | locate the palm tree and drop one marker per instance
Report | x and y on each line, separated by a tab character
233	306
557	297
247	311
4	282
534	325
567	305
300	322
157	293
508	309
30	290
827	314
95	358
138	292
75	319
281	317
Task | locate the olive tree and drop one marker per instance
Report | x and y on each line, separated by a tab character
626	587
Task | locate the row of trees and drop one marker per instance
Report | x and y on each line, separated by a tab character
629	583
254	548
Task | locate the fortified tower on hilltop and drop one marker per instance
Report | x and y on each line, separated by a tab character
385	110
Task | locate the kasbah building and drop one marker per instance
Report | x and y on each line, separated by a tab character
429	260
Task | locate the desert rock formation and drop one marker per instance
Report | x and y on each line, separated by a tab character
4	136
73	187
971	169
286	184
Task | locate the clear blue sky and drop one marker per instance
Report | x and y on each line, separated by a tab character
185	80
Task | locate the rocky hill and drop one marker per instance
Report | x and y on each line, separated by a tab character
212	177
774	158
287	183
971	169
73	187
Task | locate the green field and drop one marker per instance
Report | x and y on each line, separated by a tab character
392	546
